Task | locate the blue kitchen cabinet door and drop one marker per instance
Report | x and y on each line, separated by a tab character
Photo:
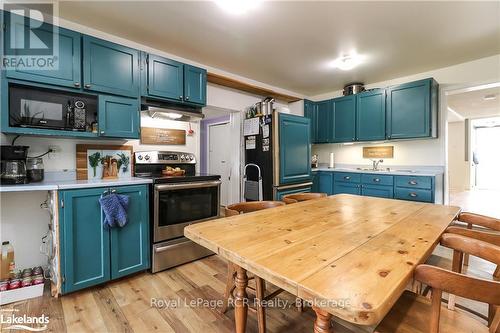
346	188
195	85
281	193
66	68
315	181
119	117
84	240
130	244
324	121
326	183
310	111
344	119
165	78
294	149
380	191
411	109
370	118
110	68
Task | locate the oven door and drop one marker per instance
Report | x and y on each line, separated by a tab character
178	205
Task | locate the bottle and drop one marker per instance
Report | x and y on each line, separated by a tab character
7	265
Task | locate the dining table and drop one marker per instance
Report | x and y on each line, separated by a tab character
351	257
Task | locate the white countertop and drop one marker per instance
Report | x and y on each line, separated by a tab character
54	185
399	171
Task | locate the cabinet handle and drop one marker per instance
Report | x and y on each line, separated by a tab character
347	177
113	191
413	195
180	97
102	132
376	180
87	86
187	98
76	84
412	182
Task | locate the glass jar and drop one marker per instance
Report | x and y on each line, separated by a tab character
34	169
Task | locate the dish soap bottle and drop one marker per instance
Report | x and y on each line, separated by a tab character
7	265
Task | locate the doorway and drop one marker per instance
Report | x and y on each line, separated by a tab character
486	154
219	157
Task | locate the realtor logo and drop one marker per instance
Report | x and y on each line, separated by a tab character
31	36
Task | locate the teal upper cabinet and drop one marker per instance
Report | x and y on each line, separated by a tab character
130	244
294	149
311	112
66	71
195	85
84	241
324	121
370	120
412	110
110	68
165	78
119	117
344	122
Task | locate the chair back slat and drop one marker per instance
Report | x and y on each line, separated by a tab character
480	220
251	206
475	247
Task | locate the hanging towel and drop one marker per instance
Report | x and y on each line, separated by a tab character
115	208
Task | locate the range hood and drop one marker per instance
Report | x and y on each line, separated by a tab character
171	111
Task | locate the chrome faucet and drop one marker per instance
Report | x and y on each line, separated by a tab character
376	163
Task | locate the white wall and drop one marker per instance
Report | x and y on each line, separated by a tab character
458	168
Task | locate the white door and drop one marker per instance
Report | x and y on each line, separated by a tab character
219	157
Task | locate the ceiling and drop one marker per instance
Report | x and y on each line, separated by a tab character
473	105
291	44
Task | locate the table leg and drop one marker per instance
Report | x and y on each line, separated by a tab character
240	299
322	322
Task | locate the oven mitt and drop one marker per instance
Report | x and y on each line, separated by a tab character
115	208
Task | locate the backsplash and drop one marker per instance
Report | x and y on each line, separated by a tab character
406	153
66	158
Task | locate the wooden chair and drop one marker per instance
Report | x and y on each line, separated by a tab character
260	286
471	219
415	313
293	198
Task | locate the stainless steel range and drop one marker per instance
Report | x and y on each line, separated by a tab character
177	201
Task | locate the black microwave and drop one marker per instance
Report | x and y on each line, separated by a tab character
35	107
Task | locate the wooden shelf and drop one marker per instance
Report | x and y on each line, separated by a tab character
238	85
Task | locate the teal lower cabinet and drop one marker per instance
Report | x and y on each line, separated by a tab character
92	254
346	188
279	193
119	117
325	182
415	188
315	180
381	191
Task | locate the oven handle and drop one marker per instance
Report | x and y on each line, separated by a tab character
168	187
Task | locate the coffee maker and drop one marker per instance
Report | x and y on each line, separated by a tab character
13	165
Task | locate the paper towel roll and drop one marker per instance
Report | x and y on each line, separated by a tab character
332	161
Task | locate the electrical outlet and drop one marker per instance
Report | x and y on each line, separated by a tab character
55	151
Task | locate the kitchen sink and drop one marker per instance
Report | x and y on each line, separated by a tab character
370	169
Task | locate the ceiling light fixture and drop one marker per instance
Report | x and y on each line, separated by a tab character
490	97
238	7
348	62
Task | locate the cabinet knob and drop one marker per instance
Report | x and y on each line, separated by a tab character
87	86
347	177
102	132
187	98
412	182
76	84
180	97
376	180
413	194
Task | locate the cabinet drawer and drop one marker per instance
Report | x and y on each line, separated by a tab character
377	179
413	194
414	182
346	188
347	177
381	191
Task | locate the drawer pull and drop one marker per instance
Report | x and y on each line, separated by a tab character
347	177
412	182
413	195
376	180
